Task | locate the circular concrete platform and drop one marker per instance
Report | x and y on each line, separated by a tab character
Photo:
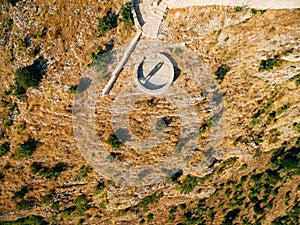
154	74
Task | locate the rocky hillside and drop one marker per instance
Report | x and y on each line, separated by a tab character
253	56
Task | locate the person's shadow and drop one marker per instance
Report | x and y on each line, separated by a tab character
145	79
153	71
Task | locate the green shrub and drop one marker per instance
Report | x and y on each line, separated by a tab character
239	9
176	175
296	127
271	177
102	205
13	2
73	89
29	220
221	72
81	204
150	216
254	122
97	189
48	173
26	149
47	199
282	109
188	218
178	51
114	142
107	23
271	117
296	79
291	160
151	199
4	148
27	77
25	204
243	167
255	11
83	172
8	123
36	167
104	25
9	23
126	13
20	194
257	209
206	125
68	211
172	213
1	176
55	205
230	216
94	56
182	206
18	91
268	64
188	184
21	127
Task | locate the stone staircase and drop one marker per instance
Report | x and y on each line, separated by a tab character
153	15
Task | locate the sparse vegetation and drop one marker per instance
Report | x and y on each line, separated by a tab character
81	204
107	22
296	79
1	176
83	172
27	77
255	11
4	148
21	127
206	125
296	127
243	167
239	9
188	184
26	149
150	199
48	198
255	121
48	172
241	187
150	216
20	194
269	64
13	2
25	204
272	116
68	211
73	89
9	23
114	142
94	56
29	220
126	14
221	72
97	189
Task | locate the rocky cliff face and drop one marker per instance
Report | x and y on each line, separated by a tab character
253	56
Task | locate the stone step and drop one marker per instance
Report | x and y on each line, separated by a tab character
154	17
164	4
160	10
